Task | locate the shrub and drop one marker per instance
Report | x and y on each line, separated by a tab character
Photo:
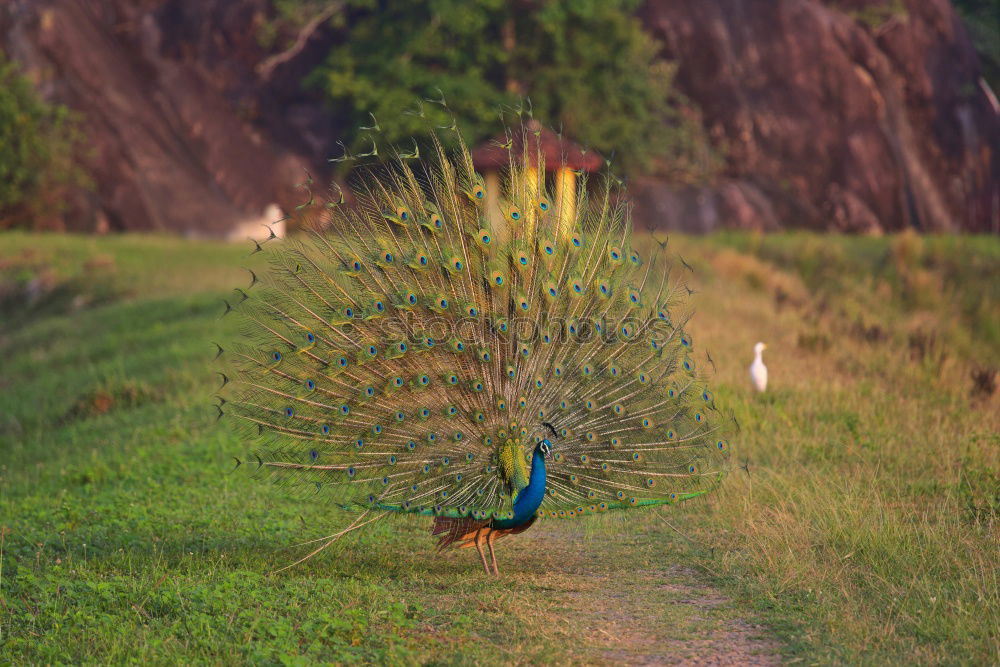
587	67
37	146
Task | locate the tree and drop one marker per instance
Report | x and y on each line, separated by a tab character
585	65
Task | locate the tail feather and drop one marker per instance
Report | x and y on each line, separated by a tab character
392	353
456	530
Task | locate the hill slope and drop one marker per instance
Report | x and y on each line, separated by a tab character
854	115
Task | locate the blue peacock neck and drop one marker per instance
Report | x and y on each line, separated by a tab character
531	496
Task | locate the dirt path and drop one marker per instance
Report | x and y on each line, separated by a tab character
632	606
708	634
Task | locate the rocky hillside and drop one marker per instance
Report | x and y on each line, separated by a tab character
856	115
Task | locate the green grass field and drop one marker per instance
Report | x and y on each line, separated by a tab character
866	530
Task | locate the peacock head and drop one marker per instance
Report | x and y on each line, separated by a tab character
545	445
545	449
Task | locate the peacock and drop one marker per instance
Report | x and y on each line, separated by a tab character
484	361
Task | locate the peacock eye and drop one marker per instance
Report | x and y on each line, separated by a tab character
479	193
311	338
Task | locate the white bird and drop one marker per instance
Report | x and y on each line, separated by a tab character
758	371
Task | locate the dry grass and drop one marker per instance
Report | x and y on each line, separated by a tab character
867	527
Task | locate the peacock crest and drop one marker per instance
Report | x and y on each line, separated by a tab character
408	353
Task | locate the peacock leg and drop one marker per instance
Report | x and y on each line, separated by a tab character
489	542
480	538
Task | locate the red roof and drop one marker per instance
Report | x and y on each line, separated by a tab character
555	150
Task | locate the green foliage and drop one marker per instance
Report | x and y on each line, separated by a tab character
587	67
983	20
878	14
36	151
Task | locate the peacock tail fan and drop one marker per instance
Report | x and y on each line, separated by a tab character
407	354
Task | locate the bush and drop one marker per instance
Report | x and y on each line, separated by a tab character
37	145
587	67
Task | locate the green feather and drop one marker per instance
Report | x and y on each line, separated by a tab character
402	359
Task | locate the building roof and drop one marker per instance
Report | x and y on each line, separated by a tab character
555	150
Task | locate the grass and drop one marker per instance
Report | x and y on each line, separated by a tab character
865	531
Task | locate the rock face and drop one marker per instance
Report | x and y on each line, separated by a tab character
855	115
157	86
